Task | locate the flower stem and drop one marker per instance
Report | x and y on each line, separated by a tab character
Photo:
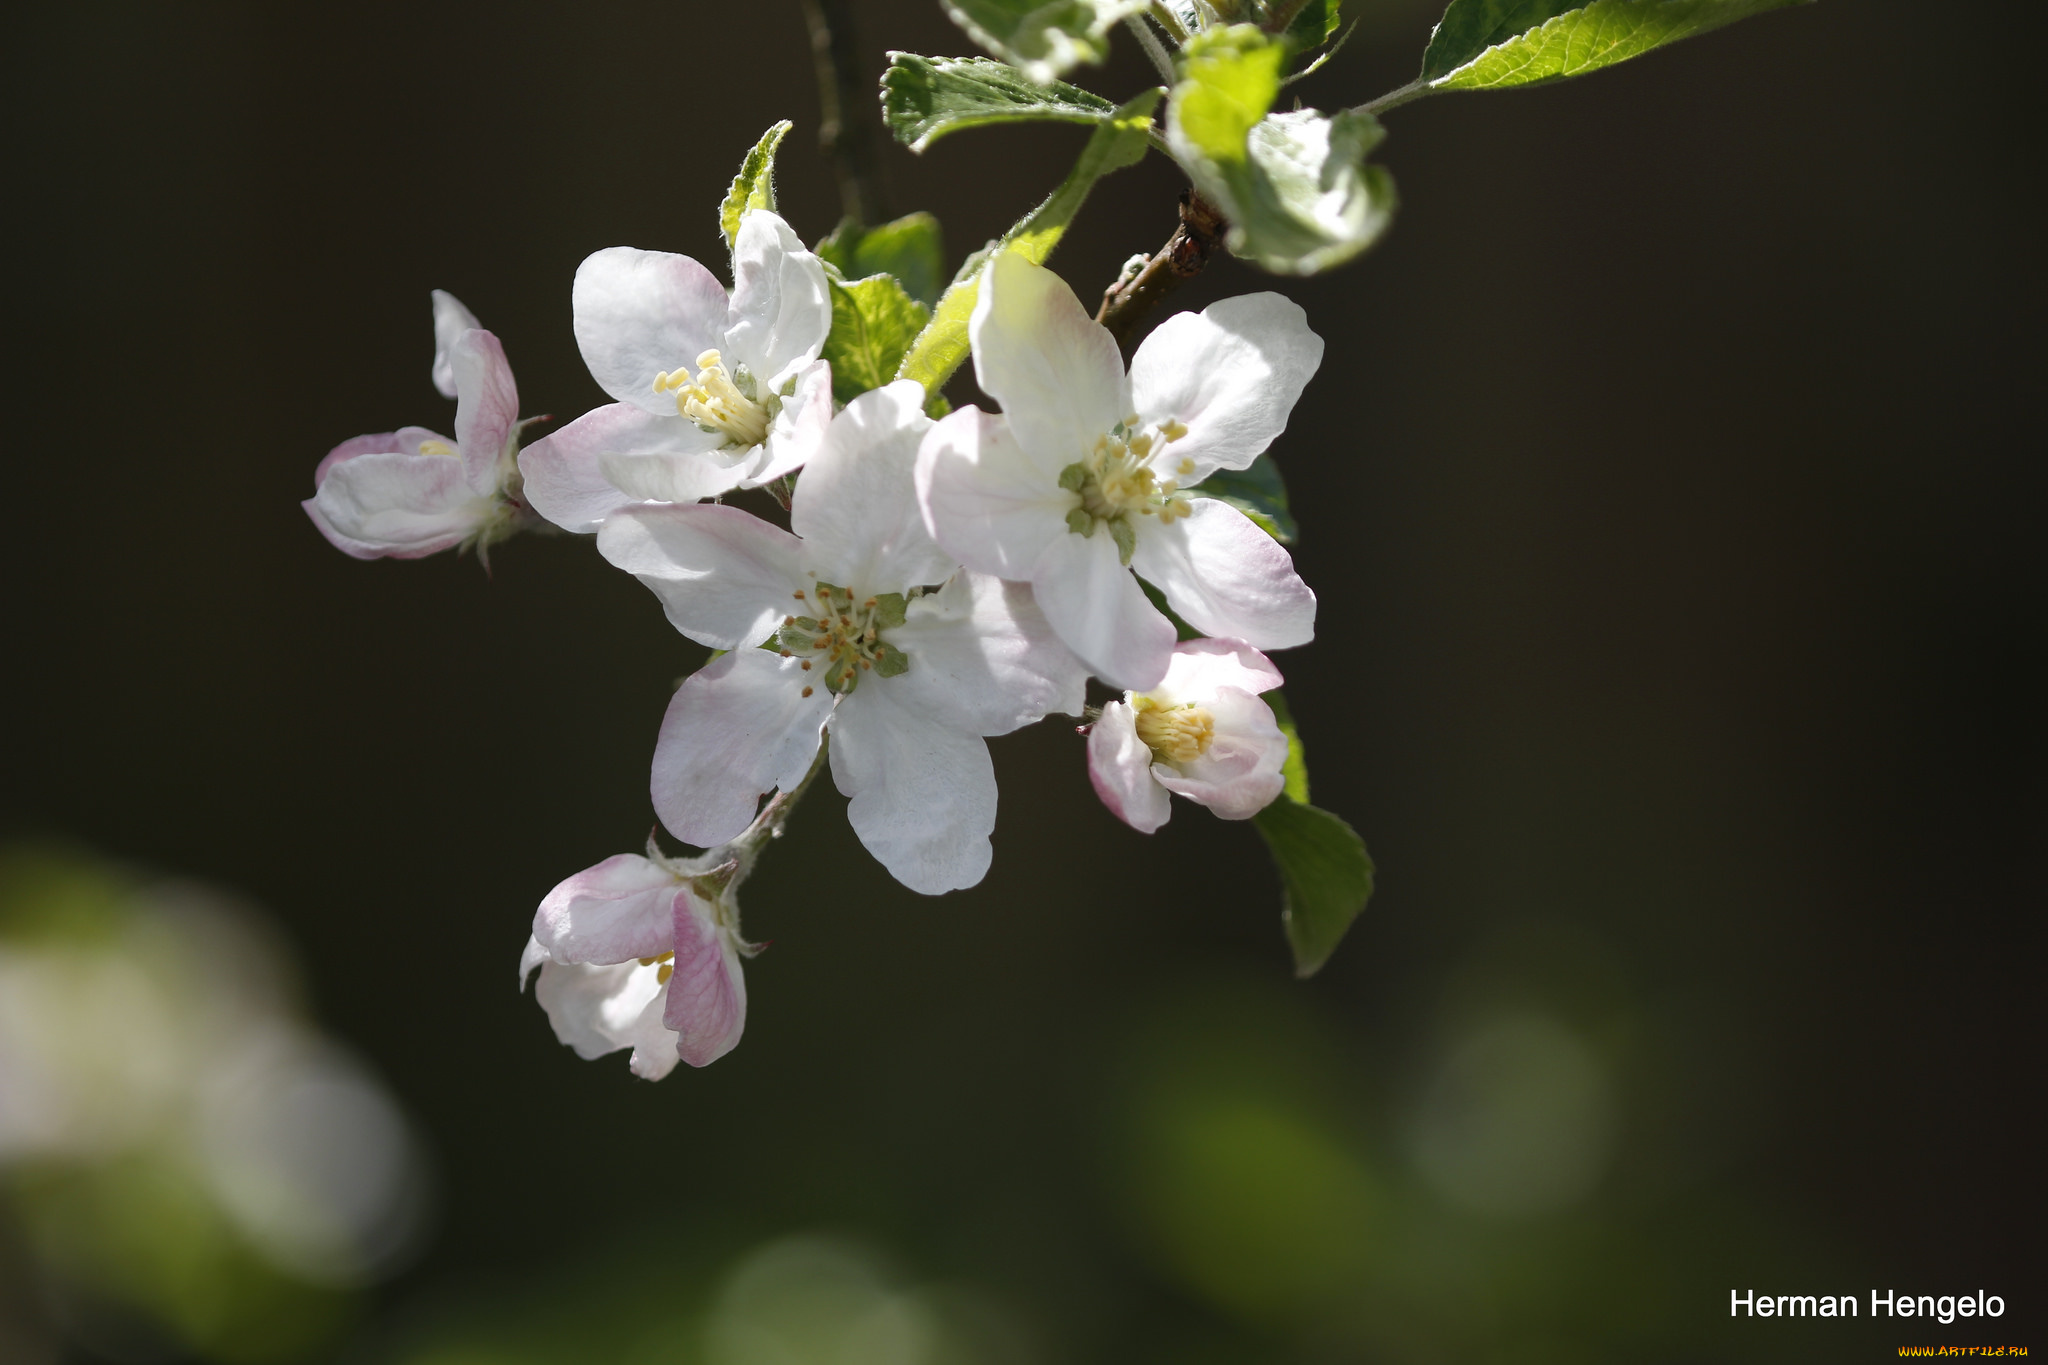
1147	39
1394	99
849	144
1125	302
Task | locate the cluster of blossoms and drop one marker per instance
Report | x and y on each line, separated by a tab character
940	582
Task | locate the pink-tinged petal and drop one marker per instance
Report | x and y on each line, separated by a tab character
737	728
396	506
1199	667
986	501
614	912
984	658
530	960
404	441
1100	611
794	435
564	470
451	320
921	796
596	1010
1120	770
1239	775
707	996
781	307
642	313
486	407
1055	370
1225	576
1230	374
725	577
856	507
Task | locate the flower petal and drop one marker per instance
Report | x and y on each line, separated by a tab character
596	1010
737	728
486	407
564	471
1056	371
986	501
614	912
707	996
640	313
781	306
1120	770
921	796
396	506
1239	775
983	656
1100	612
451	320
1227	577
1199	667
404	441
725	577
794	435
1230	373
856	508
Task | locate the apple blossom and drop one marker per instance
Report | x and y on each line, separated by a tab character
412	492
714	392
1201	733
870	628
1088	473
630	955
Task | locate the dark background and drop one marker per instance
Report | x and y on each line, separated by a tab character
1671	486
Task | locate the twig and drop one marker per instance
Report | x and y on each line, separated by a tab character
1125	302
1394	99
848	143
1154	49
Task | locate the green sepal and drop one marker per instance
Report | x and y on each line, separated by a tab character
1499	44
1074	477
798	634
925	98
911	248
889	660
1181	629
1295	769
843	676
889	610
873	323
1080	522
754	186
1120	142
1257	492
1126	539
1326	877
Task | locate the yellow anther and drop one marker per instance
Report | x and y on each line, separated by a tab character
668	970
1175	734
1173	429
436	448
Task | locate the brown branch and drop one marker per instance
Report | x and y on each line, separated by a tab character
848	142
1127	301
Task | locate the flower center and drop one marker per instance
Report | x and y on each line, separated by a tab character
844	639
665	971
1116	482
1174	734
726	404
436	448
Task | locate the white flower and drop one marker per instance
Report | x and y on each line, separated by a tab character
1202	733
412	492
715	393
909	680
630	957
1087	471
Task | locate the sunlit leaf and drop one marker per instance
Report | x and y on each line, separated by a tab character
1496	44
1115	144
1042	38
1295	770
754	186
925	98
908	248
1326	875
873	323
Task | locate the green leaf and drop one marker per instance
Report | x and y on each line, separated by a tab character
1181	629
925	98
1257	492
1295	769
1497	44
1310	26
1042	38
1294	186
908	248
1325	873
754	186
942	345
873	323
